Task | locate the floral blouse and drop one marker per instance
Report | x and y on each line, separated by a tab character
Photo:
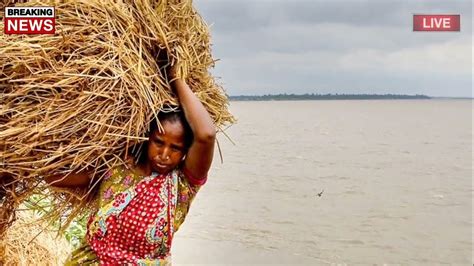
132	224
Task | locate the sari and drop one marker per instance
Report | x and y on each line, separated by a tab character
136	218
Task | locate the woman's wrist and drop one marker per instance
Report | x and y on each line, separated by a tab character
178	83
175	80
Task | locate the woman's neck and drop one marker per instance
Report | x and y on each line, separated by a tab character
144	169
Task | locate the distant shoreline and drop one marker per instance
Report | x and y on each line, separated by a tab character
303	97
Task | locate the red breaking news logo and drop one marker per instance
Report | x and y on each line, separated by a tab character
29	20
436	22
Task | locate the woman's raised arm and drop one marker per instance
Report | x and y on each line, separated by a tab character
199	157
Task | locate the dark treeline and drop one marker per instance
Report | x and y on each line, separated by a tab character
312	96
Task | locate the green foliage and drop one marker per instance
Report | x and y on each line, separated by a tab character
76	231
42	206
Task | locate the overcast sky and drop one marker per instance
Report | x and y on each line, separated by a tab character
327	46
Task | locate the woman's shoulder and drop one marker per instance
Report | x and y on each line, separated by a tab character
120	174
115	171
116	180
128	166
186	175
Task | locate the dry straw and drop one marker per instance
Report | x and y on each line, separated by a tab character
27	242
80	98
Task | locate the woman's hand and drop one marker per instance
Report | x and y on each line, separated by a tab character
171	72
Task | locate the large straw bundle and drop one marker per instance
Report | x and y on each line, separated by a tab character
83	96
27	242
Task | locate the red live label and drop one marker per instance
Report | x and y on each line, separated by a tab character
436	22
29	20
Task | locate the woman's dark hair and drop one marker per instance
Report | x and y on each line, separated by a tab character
140	151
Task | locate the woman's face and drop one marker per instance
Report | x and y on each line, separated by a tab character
166	150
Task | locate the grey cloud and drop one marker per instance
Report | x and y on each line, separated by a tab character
327	37
251	14
298	46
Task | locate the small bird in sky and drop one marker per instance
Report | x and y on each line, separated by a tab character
320	193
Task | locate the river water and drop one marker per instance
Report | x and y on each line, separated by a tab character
395	177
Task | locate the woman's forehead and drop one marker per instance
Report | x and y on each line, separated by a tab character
171	129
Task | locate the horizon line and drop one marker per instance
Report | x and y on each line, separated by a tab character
372	94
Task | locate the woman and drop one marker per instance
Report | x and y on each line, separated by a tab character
140	208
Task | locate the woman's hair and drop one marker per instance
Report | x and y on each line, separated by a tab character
140	151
